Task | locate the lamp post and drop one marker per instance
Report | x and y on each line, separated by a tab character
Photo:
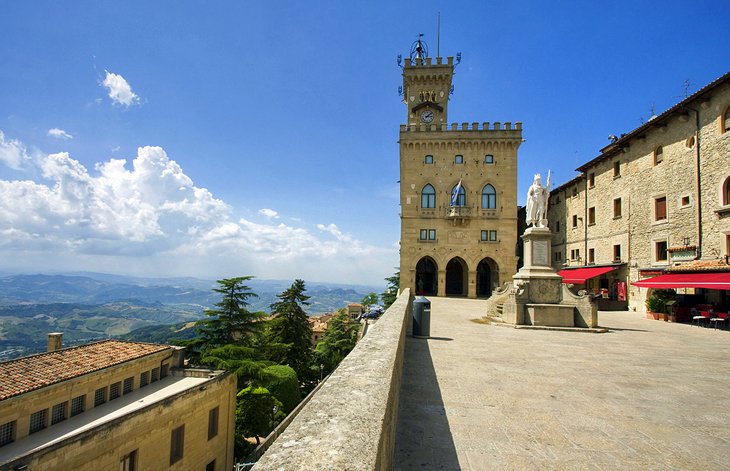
321	368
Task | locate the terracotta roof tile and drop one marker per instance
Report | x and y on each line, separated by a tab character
700	265
26	374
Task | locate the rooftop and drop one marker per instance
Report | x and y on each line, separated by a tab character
646	395
26	374
101	415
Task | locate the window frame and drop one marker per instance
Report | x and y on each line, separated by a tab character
213	422
490	197
177	444
460	197
617	169
428	159
725	124
78	405
616	252
8	432
591	255
618	209
128	385
100	396
725	192
144	379
430	196
59	412
658	155
38	421
592	180
489	159
459	159
128	462
664	250
659	202
592	216
575	221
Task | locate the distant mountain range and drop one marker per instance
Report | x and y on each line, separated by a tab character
88	306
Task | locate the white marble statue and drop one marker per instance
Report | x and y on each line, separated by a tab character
537	202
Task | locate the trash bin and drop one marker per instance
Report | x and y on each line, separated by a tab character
421	318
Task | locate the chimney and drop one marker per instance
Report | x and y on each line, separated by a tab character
55	341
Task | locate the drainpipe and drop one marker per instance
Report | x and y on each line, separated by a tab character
585	219
699	181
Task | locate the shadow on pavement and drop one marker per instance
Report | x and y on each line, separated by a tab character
423	438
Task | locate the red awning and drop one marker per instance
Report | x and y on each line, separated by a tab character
580	275
687	280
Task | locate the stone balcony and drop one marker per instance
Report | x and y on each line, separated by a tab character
475	396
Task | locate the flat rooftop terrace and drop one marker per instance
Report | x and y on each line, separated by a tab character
646	395
125	405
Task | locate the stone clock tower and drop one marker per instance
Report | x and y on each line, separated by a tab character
458	189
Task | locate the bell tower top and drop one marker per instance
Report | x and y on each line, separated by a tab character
426	85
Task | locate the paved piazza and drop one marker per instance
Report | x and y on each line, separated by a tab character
646	395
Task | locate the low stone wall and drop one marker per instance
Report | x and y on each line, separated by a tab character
350	422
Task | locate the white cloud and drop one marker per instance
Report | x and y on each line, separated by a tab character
268	213
59	134
13	153
119	90
147	217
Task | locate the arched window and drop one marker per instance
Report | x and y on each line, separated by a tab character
458	195
726	192
489	197
428	197
726	120
658	155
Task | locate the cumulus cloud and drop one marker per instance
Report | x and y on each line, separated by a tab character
268	213
13	152
119	90
59	134
147	216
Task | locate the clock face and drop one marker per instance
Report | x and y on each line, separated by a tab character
427	116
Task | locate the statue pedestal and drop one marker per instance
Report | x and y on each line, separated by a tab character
538	297
543	284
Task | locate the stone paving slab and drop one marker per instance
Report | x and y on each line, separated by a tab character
645	395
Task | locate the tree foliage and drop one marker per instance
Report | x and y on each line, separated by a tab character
290	326
369	300
257	412
282	382
245	362
231	322
391	290
338	340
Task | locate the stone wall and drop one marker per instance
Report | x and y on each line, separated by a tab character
350	422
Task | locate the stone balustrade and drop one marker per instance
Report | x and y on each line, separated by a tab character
350	422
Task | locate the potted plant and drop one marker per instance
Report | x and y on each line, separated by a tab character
656	304
654	307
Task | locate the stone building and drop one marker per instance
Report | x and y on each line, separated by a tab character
114	405
655	201
458	190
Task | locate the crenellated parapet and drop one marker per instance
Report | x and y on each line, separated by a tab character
486	126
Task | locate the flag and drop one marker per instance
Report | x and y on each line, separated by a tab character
455	194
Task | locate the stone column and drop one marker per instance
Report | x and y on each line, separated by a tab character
441	283
472	285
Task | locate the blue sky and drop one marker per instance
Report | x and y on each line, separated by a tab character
226	138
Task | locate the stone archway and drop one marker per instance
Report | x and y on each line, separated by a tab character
426	277
487	277
456	277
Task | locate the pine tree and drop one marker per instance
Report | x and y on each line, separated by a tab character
290	326
391	291
231	322
338	340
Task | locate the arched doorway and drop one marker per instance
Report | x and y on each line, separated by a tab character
426	277
456	277
487	276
